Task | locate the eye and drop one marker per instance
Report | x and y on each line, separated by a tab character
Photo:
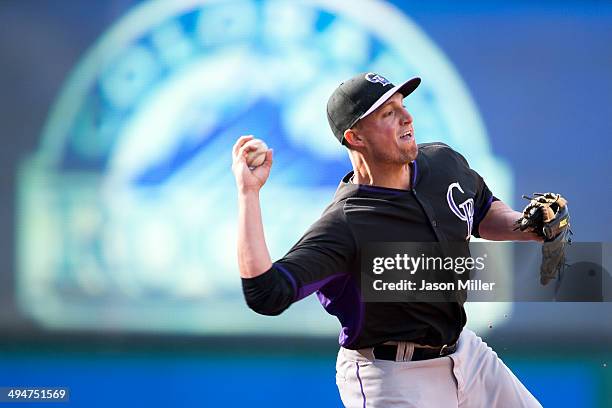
388	113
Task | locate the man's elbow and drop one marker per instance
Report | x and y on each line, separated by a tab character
268	294
265	308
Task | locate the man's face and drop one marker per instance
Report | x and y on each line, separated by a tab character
388	133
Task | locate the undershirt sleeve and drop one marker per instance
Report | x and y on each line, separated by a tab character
325	252
269	293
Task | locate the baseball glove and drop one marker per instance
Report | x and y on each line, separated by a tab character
547	215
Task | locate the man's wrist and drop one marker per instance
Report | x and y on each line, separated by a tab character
248	193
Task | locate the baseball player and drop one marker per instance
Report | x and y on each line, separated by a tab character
393	354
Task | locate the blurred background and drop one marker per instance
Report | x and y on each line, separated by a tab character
118	276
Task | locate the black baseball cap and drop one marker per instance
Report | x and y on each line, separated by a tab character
359	96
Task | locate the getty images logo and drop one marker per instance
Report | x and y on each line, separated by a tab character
465	210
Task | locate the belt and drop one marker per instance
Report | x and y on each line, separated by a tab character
389	352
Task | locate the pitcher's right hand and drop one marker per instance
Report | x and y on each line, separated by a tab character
246	179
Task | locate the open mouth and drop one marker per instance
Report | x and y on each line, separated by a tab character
406	135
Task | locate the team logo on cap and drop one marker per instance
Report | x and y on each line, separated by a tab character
465	210
375	78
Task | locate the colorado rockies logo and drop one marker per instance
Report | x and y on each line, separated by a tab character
375	78
465	210
167	62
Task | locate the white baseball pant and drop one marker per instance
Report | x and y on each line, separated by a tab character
471	377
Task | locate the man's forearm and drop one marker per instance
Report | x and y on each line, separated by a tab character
499	225
253	256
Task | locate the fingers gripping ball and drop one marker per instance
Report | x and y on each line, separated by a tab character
257	153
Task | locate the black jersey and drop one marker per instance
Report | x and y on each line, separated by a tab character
446	204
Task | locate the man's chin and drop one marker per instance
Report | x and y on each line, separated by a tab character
411	153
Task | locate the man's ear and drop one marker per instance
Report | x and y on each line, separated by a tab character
353	138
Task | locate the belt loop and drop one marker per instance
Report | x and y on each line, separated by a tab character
401	350
409	351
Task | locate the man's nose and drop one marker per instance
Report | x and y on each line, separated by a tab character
406	117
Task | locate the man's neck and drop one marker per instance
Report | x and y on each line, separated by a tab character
397	177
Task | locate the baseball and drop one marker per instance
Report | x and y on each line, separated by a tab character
257	156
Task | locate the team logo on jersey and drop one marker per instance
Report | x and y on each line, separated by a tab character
465	210
375	78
